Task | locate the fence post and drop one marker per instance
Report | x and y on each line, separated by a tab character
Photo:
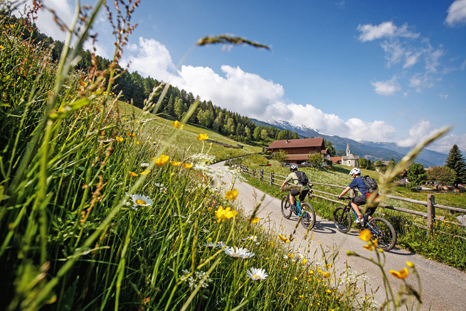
430	213
261	175
272	178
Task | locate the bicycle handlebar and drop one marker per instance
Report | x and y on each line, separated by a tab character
345	198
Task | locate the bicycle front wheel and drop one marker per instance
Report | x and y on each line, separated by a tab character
309	217
342	219
287	210
383	231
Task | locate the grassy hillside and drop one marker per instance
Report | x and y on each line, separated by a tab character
157	129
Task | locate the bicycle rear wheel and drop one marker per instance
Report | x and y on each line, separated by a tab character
342	219
309	217
287	210
383	231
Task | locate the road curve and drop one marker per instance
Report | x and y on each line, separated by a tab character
443	287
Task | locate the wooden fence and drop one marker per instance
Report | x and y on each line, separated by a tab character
431	206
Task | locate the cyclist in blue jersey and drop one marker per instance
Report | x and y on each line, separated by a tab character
359	200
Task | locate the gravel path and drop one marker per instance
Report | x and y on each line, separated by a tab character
444	287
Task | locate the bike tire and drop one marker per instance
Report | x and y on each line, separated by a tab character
309	217
383	231
342	219
287	210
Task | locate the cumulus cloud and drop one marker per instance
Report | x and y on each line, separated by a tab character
385	29
456	13
386	87
150	58
423	129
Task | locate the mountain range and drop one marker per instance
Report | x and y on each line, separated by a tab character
366	149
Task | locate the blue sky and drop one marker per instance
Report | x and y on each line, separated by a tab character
371	70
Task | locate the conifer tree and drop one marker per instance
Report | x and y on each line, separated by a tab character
455	161
169	108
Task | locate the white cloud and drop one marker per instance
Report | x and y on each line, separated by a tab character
152	58
386	87
45	21
385	29
443	96
423	129
411	59
463	65
456	13
99	48
420	81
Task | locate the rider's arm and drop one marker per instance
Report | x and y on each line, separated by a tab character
283	185
344	192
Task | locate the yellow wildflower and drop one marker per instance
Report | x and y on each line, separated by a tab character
283	238
2	47
410	264
365	235
325	274
162	160
371	245
132	174
231	194
328	291
177	124
145	172
402	274
255	220
175	163
202	136
226	213
186	165
119	139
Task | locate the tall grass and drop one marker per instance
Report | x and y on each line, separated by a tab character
96	216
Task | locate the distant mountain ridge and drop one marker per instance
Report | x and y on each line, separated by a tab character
366	149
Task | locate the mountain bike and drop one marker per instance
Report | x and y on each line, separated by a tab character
381	229
299	209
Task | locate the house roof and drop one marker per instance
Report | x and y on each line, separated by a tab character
324	151
297	143
298	157
335	159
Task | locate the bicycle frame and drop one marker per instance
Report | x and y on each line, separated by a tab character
366	221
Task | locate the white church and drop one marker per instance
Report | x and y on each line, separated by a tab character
349	159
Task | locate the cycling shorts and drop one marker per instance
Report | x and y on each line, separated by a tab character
302	194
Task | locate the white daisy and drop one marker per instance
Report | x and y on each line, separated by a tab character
221	245
145	165
251	238
163	190
257	274
300	256
238	252
140	200
107	140
158	185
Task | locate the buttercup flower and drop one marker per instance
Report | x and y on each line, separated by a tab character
257	274
140	200
231	194
186	165
325	274
371	245
145	172
202	136
410	264
177	124
132	174
162	160
119	139
365	235
402	274
226	213
283	238
175	163
255	220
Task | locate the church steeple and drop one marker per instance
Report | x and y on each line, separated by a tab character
348	151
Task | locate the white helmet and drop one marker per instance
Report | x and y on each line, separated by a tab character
356	171
293	167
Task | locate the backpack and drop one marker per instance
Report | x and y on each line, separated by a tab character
302	178
370	183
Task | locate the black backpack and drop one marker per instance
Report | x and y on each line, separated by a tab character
302	178
370	183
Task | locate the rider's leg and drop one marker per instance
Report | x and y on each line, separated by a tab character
291	199
356	209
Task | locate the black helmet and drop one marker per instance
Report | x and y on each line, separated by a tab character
293	168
